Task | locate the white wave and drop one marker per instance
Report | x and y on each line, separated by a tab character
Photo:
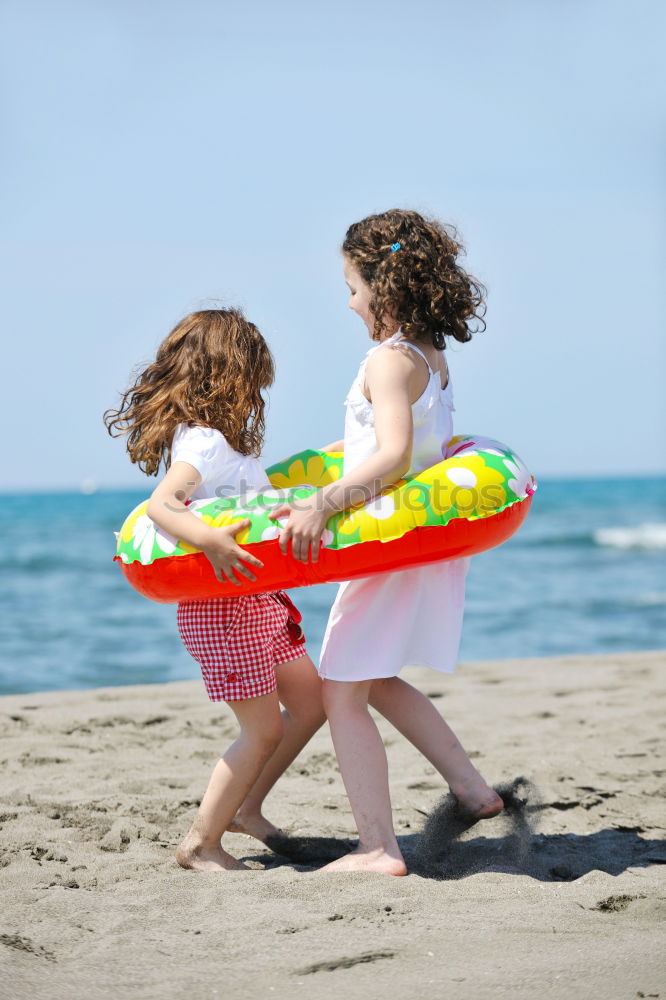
653	600
642	536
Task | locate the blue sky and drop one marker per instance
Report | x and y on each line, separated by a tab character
164	157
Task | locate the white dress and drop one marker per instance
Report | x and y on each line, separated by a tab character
381	623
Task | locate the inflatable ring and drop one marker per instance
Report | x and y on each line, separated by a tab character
473	500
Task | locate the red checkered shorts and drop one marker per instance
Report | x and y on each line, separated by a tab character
238	641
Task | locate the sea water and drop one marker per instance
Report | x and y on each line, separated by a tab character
585	574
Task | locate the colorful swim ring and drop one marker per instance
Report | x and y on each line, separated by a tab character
473	500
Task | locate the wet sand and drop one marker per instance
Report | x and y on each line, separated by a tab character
562	896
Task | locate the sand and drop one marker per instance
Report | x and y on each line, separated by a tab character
565	898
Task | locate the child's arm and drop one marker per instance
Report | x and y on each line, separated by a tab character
388	379
167	509
334	446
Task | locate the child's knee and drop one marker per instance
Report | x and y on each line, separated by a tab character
309	716
273	735
319	716
340	696
313	717
265	740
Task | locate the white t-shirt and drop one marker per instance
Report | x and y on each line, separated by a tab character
224	472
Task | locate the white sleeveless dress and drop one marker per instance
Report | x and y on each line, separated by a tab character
379	624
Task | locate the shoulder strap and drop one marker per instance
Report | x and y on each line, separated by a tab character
430	368
415	348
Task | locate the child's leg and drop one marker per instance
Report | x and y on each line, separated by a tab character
415	716
299	690
362	759
261	730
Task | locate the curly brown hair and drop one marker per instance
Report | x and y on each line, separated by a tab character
420	285
209	371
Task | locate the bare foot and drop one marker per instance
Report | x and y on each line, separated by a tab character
254	825
199	858
368	861
478	801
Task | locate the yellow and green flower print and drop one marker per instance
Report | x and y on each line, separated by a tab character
478	478
312	468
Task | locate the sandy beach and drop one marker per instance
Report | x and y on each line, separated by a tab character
564	898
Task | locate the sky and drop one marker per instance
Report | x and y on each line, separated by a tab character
163	157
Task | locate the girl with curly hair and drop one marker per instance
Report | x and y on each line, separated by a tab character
198	409
407	285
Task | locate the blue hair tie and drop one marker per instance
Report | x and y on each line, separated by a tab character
395	247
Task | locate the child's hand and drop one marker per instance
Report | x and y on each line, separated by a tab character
304	528
225	555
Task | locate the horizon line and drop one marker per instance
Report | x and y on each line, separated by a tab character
86	488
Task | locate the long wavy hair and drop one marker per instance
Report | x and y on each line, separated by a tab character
420	285
209	371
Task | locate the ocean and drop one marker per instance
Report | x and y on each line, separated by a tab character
586	574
